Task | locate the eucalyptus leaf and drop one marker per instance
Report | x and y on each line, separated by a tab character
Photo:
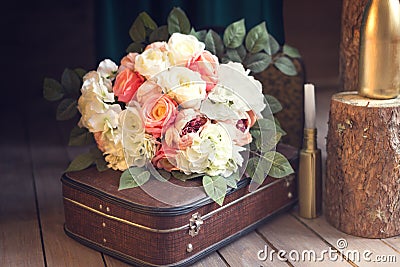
234	34
52	90
200	35
137	32
81	162
71	82
280	166
66	109
214	43
80	136
291	51
133	177
96	153
270	143
215	187
258	62
274	46
178	21
257	39
273	103
135	48
159	34
286	65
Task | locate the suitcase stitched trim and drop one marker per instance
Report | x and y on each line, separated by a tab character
192	225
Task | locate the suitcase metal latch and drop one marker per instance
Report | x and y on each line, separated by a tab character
194	224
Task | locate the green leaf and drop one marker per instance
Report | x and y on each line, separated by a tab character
257	39
280	166
159	34
71	82
52	90
286	65
200	35
214	43
273	45
148	22
183	177
66	109
135	48
178	21
270	143
215	187
133	177
256	169
291	51
258	62
81	72
81	162
101	164
273	103
137	32
234	34
233	55
232	180
80	137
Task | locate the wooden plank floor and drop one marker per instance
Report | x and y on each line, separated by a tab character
34	154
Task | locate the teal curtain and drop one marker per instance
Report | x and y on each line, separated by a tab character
113	18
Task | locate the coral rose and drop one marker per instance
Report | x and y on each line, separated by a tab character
128	61
165	159
206	64
159	111
126	85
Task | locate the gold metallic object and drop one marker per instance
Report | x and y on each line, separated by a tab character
379	62
310	176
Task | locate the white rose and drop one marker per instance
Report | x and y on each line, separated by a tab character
248	91
130	119
183	47
152	61
183	85
107	69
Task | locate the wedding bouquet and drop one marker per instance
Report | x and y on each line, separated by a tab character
173	111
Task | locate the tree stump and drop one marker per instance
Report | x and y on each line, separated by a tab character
362	186
352	13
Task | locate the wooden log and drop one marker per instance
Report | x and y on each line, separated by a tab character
362	187
352	12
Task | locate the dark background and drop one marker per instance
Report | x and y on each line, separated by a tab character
40	38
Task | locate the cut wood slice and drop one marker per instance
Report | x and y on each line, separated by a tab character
362	187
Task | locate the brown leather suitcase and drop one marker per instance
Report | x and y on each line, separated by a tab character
134	227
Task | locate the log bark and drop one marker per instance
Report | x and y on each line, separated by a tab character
362	186
352	12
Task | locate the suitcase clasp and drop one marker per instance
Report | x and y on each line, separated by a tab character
194	224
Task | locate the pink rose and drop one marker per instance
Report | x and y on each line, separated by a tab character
165	159
206	64
126	84
159	111
128	61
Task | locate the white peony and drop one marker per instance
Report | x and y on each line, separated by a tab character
183	47
93	82
152	61
235	83
183	85
211	152
105	121
107	69
138	149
